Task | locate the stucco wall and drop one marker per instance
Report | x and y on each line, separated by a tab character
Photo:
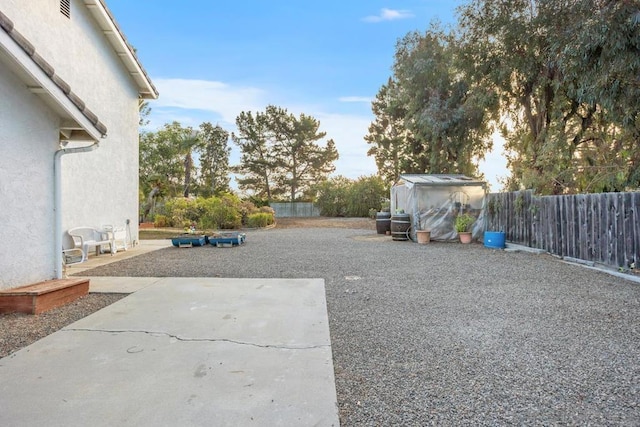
100	187
28	131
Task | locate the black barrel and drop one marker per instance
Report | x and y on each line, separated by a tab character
400	224
383	222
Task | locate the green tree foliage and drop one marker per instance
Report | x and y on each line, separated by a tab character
341	196
145	111
332	196
160	169
599	56
300	159
445	112
566	74
166	165
186	141
214	160
430	117
281	154
364	194
390	140
257	162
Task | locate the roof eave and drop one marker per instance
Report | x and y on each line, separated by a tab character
116	38
74	124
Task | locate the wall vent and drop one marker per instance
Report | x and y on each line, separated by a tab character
65	8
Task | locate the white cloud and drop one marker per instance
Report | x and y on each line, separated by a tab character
354	99
348	132
192	102
388	15
225	100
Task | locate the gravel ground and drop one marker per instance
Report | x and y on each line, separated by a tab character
448	334
18	330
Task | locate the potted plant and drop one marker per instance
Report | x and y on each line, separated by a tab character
423	236
463	225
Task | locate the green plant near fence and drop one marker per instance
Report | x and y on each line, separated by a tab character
260	219
226	212
352	198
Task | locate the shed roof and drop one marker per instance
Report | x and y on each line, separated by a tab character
439	179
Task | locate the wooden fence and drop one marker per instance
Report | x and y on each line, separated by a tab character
602	228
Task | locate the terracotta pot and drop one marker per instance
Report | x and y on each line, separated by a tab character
424	236
465	237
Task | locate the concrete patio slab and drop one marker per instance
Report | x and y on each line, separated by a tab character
120	285
143	247
183	351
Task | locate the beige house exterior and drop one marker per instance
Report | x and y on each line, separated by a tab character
70	90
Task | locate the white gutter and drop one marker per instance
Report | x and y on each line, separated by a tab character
57	200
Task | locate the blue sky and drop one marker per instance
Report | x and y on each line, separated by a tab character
210	60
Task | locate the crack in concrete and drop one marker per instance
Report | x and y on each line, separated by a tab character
182	339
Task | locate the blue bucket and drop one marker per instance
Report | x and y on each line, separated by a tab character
494	239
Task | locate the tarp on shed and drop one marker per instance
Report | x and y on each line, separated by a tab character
434	201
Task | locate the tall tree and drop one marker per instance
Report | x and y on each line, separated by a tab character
600	64
166	157
257	163
158	170
430	117
187	143
445	112
280	153
301	161
388	136
600	56
144	111
214	159
566	73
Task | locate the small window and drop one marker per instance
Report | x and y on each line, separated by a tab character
65	8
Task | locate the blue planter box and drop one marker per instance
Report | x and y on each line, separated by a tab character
232	238
188	240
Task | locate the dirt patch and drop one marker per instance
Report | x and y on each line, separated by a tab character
326	222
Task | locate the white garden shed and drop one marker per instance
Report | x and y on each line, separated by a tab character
433	202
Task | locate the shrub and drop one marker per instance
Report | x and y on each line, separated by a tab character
180	211
260	219
341	196
161	221
222	213
332	196
225	211
246	209
365	193
267	209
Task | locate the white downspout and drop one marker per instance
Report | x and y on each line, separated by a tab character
57	199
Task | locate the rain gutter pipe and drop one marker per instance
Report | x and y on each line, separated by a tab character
57	199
